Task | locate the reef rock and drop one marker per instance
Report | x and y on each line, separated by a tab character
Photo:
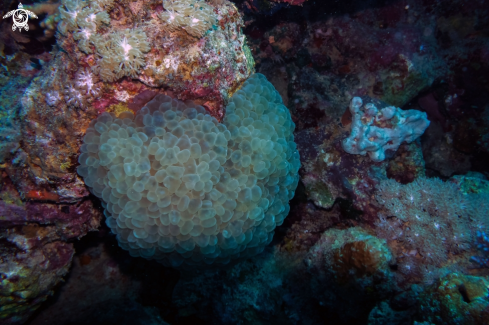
456	299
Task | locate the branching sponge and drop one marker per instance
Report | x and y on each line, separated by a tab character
182	188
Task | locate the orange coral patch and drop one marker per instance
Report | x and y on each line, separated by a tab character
42	195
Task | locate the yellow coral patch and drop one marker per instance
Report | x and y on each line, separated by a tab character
117	108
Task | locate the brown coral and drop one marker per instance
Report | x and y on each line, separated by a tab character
456	299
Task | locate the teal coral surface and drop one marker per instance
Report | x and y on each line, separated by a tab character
180	187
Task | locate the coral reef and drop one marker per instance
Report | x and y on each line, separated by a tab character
33	262
456	299
34	230
355	260
433	220
53	128
101	290
43	122
248	292
208	67
35	254
351	253
330	174
397	240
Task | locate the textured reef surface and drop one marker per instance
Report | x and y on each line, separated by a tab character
245	162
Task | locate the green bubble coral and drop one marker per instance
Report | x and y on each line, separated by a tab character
184	189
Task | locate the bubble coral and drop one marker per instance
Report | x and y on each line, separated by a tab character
184	189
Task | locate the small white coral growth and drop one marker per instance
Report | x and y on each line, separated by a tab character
84	89
83	36
69	11
52	98
129	47
196	17
92	17
121	54
82	19
86	82
73	96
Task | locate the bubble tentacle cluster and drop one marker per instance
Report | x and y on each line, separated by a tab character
180	187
